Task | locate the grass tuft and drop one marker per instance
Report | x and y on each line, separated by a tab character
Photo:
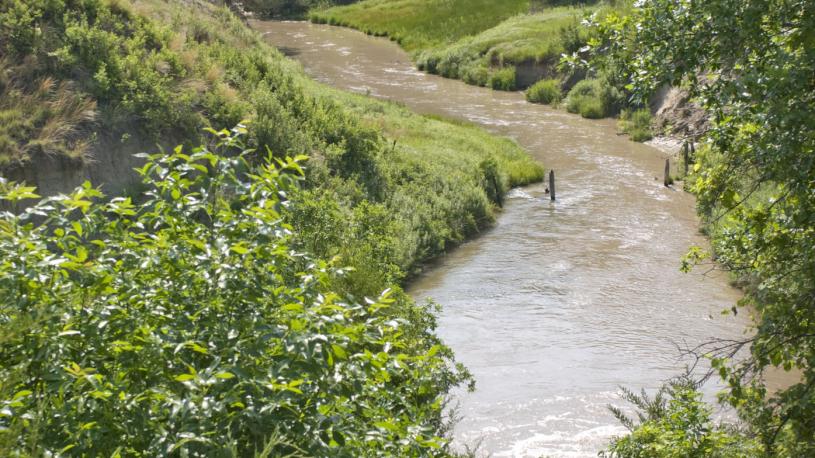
545	91
637	124
593	99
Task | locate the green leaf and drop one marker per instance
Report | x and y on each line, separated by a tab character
240	249
339	352
22	394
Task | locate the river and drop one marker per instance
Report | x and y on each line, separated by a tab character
561	302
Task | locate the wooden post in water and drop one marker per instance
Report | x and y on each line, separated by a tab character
667	180
552	184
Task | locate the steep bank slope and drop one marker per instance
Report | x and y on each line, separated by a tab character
105	79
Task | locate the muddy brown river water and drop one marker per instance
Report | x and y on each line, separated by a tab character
560	303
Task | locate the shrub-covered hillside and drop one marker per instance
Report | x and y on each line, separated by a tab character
97	77
185	314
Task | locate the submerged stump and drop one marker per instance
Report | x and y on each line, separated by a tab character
552	184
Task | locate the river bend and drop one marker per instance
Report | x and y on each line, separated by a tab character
560	303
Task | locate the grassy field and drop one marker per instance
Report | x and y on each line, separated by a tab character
422	24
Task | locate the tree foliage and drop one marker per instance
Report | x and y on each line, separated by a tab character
186	324
750	63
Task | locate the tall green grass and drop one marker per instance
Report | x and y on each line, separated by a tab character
422	24
545	91
535	39
637	124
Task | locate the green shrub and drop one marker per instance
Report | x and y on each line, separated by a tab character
593	98
476	75
188	325
677	423
586	106
637	124
544	91
591	108
502	79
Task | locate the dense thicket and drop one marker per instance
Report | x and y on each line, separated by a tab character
186	324
750	63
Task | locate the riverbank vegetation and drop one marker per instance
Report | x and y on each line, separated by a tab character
637	124
547	92
479	42
210	300
504	46
522	44
187	323
754	180
421	24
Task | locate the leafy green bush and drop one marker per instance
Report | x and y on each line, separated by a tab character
593	98
186	324
676	423
545	91
637	124
586	106
502	79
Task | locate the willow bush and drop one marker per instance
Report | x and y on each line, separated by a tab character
185	324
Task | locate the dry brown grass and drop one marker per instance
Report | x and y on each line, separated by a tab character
42	116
